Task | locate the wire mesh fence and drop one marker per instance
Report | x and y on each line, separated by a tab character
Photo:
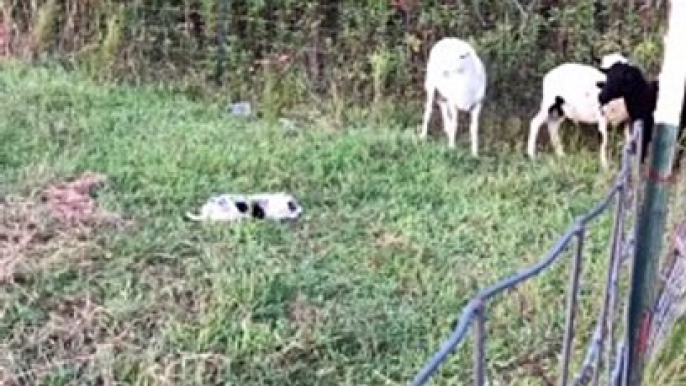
601	348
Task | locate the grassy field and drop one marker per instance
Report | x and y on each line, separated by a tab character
396	237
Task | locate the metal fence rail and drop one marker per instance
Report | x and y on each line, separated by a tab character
624	193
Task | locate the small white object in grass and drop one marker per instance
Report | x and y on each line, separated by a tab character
242	109
289	126
456	72
234	207
570	91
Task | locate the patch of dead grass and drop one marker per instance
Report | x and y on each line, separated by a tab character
57	223
77	333
55	226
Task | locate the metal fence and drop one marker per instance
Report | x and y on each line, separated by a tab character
624	195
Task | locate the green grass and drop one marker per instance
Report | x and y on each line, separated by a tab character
398	234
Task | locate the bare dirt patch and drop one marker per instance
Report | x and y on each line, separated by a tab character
54	223
55	226
72	202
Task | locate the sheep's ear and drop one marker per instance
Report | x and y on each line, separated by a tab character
600	84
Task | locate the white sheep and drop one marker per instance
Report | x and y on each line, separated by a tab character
570	91
456	72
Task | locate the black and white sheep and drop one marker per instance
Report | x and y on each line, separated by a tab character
570	92
627	81
456	72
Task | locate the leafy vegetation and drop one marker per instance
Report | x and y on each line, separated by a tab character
341	57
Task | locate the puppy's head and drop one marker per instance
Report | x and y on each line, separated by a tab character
277	206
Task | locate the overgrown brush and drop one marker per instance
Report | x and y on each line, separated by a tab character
335	56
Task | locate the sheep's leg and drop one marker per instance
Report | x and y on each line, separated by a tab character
602	128
445	114
452	129
554	131
430	91
534	127
474	128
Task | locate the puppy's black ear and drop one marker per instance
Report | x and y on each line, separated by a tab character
242	206
600	84
603	70
257	210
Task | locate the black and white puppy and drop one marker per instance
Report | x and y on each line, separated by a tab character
232	207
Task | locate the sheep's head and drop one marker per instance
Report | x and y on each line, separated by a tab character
622	80
463	53
615	112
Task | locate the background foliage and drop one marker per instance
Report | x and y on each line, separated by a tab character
334	58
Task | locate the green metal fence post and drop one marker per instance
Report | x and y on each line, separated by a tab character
653	214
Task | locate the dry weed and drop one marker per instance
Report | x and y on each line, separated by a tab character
42	229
